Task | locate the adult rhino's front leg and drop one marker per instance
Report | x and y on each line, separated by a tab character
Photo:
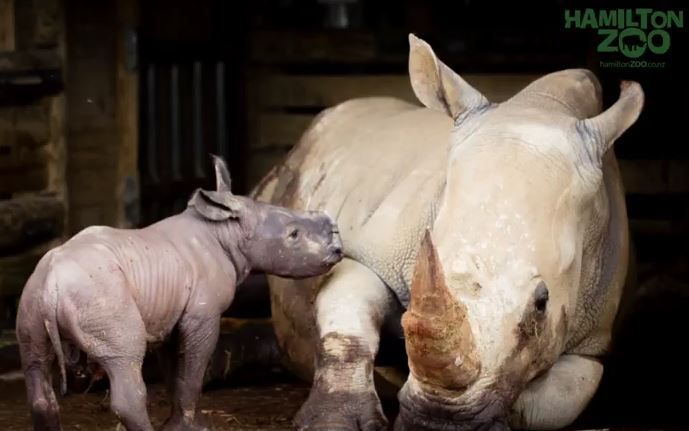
556	398
350	309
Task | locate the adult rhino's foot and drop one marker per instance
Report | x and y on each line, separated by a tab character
341	411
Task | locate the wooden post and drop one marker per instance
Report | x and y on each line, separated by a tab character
127	112
7	42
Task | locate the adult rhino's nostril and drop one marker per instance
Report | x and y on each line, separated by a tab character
541	297
338	250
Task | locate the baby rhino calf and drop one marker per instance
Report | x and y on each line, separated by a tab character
113	292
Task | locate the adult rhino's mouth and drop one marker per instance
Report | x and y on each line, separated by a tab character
419	411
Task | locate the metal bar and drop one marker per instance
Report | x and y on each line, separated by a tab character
151	143
198	126
220	100
174	123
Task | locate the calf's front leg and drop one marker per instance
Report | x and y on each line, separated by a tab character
198	335
350	309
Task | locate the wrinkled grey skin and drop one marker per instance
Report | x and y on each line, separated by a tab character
113	292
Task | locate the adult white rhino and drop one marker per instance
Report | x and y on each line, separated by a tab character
500	228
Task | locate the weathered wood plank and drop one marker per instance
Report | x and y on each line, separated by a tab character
37	23
127	114
261	162
27	221
322	91
281	130
7	42
29	178
274	46
23	158
26	61
15	270
25	128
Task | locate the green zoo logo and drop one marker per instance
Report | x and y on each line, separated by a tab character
628	31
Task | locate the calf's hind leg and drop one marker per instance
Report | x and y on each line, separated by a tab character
121	354
350	309
37	358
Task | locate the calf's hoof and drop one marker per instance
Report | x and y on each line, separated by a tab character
341	411
198	423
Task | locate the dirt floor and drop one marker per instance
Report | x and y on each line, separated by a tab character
242	408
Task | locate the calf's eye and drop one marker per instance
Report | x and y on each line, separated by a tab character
293	234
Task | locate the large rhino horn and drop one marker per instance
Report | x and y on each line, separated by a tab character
439	341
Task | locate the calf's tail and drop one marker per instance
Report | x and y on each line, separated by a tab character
50	322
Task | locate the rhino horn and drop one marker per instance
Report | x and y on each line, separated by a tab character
439	341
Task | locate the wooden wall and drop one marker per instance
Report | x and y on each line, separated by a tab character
32	141
68	129
102	115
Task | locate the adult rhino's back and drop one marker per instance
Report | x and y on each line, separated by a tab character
377	165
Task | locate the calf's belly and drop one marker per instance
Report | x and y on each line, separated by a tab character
160	313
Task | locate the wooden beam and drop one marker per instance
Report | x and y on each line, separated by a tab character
27	221
319	91
30	178
15	270
260	162
278	130
28	61
7	42
275	46
127	113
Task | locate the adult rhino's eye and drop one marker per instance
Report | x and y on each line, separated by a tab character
293	234
541	297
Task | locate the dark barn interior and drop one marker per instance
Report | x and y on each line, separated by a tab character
109	111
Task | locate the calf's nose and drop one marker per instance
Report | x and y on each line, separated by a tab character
336	244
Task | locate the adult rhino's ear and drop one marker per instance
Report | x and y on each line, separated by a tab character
216	206
223	183
605	128
436	85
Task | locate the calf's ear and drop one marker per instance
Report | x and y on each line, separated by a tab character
223	183
216	206
436	85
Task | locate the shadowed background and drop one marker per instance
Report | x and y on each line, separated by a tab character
109	110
